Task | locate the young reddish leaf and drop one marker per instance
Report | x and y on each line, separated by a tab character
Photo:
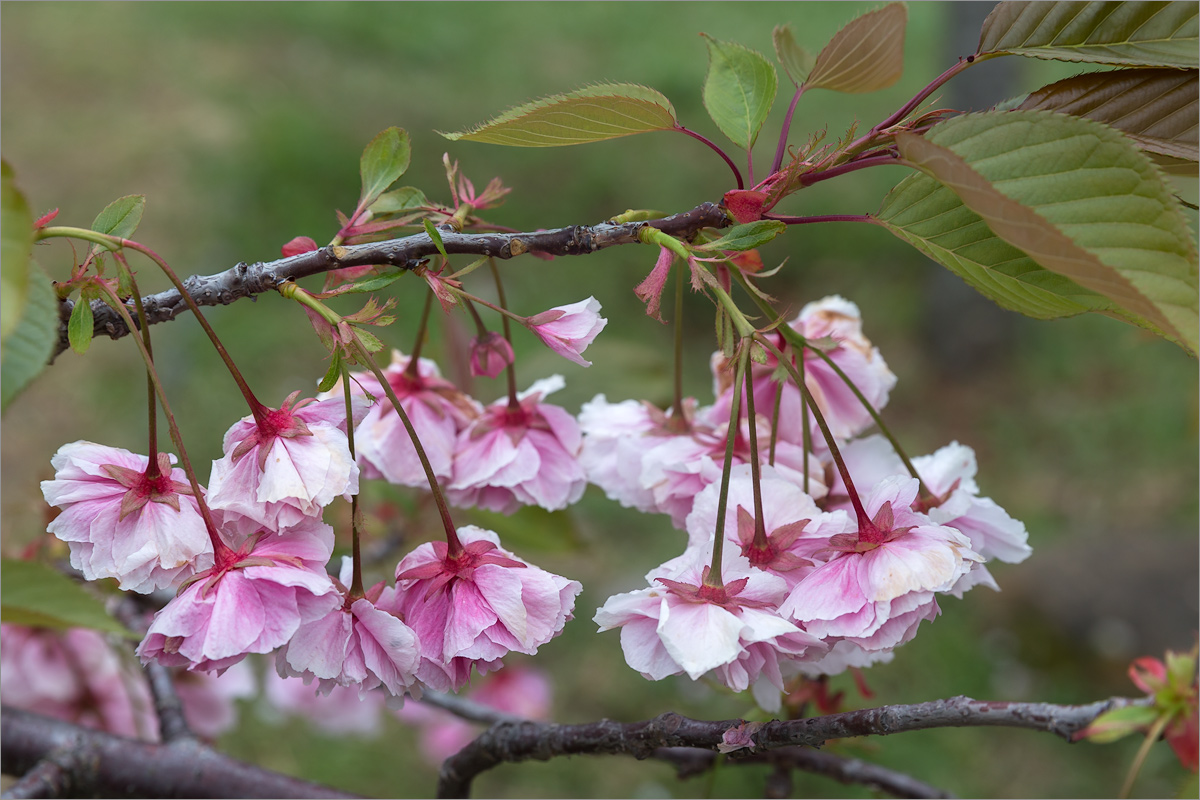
301	244
746	205
1080	200
29	346
1157	108
16	242
120	218
383	161
864	56
1137	34
797	62
738	90
37	595
80	325
591	114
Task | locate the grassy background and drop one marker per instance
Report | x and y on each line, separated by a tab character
243	124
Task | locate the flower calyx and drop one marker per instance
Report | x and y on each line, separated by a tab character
145	489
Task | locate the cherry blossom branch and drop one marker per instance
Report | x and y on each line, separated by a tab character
521	741
689	762
107	765
247	280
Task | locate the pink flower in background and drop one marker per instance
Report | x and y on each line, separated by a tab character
207	698
252	601
568	330
145	532
491	354
287	466
74	675
358	644
681	625
878	583
523	455
473	609
523	692
342	710
437	409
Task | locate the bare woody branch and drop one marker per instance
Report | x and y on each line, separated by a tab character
514	742
105	765
247	280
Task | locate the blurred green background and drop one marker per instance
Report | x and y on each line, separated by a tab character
243	125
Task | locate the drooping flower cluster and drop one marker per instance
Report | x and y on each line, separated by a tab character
813	580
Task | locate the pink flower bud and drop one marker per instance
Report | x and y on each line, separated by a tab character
568	330
301	244
490	354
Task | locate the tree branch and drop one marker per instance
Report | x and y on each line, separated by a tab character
513	742
247	280
106	765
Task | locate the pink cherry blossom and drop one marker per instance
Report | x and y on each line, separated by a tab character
288	465
145	532
342	711
523	455
568	330
491	354
834	325
679	624
358	644
523	692
438	410
252	600
795	531
879	582
75	676
471	609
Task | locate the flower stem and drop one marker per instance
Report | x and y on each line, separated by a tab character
219	547
152	470
678	422
781	148
735	413
736	174
1140	758
422	327
760	531
511	370
356	584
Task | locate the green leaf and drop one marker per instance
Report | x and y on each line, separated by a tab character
436	236
120	218
34	594
383	161
31	344
931	218
1157	108
1118	723
591	114
16	242
1079	199
797	62
398	201
738	90
374	284
1135	34
748	236
333	373
865	56
80	325
369	340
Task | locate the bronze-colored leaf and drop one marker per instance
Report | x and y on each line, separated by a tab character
1158	108
866	55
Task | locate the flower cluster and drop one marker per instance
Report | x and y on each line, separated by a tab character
814	578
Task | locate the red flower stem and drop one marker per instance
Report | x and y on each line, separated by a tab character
678	421
821	218
356	584
781	148
736	174
364	358
775	434
510	372
864	521
1139	759
152	470
919	98
735	413
220	549
256	408
760	530
805	432
411	369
